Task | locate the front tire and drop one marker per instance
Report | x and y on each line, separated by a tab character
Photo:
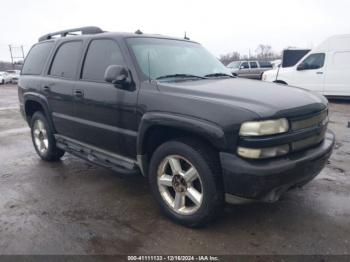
43	139
185	180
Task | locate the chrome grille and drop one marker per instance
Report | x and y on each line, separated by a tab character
310	121
308	142
320	120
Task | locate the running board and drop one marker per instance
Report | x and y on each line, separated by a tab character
120	164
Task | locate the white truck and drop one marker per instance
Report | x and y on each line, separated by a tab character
325	69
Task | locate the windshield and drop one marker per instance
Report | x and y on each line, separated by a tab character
160	58
234	64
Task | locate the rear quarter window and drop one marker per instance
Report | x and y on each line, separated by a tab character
36	58
264	64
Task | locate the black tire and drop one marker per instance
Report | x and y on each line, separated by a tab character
3	82
206	162
53	153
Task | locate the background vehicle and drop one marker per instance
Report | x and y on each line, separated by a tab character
276	63
290	57
169	109
249	69
326	69
5	78
14	74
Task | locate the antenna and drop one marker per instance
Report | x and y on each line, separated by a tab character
185	37
149	68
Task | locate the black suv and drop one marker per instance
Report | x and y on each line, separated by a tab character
168	109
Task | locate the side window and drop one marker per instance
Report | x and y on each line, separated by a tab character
314	61
265	64
35	60
245	65
253	65
101	54
65	62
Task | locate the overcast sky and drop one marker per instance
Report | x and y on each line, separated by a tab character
221	26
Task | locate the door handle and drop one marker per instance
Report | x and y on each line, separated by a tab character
319	73
46	88
79	93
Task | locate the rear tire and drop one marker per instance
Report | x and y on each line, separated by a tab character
43	139
185	180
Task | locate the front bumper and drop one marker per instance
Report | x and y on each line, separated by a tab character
266	180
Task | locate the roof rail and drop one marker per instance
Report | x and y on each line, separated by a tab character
87	30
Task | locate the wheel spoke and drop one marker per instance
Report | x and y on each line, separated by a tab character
194	195
46	143
36	132
179	201
165	180
190	175
175	165
41	126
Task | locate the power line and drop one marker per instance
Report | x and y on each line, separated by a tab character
13	57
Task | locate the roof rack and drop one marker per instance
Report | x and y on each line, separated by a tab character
87	30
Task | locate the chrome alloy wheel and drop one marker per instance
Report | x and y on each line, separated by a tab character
180	185
40	136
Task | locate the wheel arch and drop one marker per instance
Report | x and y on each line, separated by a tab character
157	128
280	82
36	102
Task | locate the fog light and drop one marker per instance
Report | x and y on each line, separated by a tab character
257	153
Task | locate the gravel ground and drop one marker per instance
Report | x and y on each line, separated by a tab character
73	207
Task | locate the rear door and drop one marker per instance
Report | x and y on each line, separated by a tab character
59	83
254	70
104	114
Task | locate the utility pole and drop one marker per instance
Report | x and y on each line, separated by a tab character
13	57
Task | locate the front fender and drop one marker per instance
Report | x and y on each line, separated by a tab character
204	129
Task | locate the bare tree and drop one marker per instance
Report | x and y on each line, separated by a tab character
228	58
264	52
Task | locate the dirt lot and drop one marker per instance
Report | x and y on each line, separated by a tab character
73	207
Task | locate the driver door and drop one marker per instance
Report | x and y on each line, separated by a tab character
310	73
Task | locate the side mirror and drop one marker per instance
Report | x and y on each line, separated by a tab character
117	75
241	67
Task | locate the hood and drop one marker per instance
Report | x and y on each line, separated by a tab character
262	98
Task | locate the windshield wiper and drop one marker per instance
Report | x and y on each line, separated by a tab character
218	75
181	76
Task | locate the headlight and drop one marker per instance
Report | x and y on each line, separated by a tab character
263	128
257	153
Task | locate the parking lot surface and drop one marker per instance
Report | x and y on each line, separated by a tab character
74	207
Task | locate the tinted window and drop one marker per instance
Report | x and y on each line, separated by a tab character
290	57
245	65
101	54
253	65
36	58
265	64
66	60
314	61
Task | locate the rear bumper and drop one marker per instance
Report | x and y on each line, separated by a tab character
265	180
